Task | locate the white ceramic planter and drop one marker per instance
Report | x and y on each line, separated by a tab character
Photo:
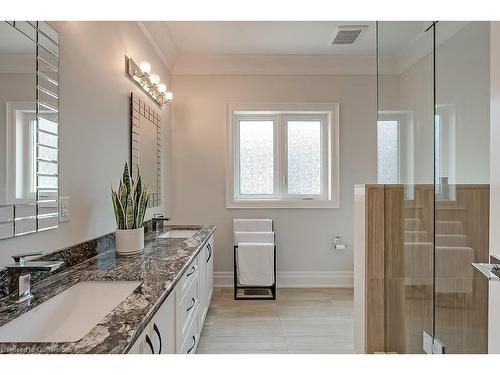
129	241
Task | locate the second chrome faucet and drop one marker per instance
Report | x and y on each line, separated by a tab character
20	274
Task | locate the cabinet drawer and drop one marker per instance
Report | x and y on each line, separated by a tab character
187	278
191	340
186	311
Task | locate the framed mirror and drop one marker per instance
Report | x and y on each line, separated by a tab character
145	147
29	127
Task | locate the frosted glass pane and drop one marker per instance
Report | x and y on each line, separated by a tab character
47	139
47	153
46	167
44	124
304	157
47	182
256	157
438	145
388	152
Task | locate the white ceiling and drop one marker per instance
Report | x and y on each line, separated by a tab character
289	47
266	38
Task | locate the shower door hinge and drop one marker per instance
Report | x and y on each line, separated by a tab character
432	345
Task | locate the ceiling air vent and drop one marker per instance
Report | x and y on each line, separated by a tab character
345	35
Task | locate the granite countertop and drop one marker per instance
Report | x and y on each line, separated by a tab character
158	268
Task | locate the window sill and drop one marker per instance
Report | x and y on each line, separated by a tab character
269	203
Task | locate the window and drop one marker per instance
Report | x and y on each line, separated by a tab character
282	156
256	157
438	147
32	155
304	157
388	168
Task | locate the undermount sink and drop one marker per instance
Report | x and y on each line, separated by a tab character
70	315
179	233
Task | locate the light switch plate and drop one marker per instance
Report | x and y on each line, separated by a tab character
64	209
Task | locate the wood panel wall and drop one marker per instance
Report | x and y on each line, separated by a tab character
399	269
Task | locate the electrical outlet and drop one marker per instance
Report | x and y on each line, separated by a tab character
64	209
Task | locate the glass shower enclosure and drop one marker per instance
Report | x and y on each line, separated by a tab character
433	158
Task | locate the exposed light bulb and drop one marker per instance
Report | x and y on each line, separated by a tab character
168	96
145	67
154	79
162	87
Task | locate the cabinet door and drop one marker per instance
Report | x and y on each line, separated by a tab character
144	344
191	340
162	327
202	287
159	336
209	266
137	348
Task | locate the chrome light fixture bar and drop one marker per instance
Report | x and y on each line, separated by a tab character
150	83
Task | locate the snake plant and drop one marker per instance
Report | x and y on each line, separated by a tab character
130	201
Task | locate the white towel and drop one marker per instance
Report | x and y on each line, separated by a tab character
255	262
252	225
253	237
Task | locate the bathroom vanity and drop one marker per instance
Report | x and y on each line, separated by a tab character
165	293
177	325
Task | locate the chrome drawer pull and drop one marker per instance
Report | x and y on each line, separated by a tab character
192	305
194	344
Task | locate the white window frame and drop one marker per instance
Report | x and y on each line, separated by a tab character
13	109
328	113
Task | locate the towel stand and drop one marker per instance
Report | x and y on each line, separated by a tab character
237	287
271	288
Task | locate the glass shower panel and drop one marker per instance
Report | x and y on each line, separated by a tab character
462	131
405	128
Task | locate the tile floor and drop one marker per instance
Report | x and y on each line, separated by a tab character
316	320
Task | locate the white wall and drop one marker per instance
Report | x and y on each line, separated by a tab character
198	174
462	85
94	128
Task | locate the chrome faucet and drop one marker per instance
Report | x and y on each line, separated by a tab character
156	218
20	277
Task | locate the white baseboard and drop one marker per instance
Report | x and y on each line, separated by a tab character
299	279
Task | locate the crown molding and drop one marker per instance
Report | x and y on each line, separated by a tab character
419	48
274	64
161	40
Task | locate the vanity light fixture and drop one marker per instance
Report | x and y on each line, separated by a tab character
162	87
150	83
145	67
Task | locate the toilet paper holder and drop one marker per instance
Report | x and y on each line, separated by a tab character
339	243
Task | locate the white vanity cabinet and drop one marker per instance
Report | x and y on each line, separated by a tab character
159	335
202	286
187	308
176	327
210	269
206	274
